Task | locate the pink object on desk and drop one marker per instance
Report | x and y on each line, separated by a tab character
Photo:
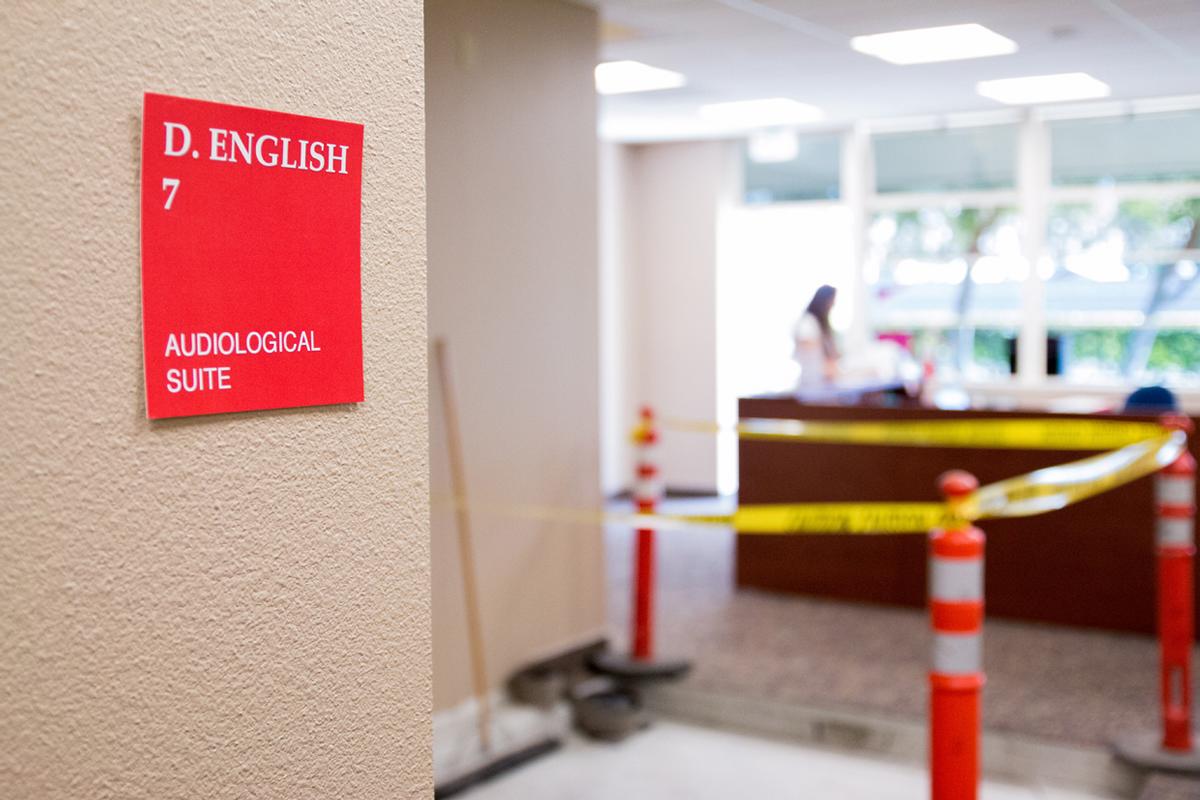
902	339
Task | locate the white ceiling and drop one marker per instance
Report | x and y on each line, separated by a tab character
747	49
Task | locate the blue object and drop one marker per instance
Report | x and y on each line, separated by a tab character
1149	399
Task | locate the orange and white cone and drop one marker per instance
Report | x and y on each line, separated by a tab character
1175	505
647	491
956	675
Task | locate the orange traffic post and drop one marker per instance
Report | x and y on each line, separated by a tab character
647	491
956	676
1176	501
1175	508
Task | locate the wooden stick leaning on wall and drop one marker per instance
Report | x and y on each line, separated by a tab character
466	552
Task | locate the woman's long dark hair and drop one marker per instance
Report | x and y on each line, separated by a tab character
819	307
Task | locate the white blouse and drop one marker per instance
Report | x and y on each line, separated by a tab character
810	351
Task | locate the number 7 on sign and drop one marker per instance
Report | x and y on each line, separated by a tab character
173	185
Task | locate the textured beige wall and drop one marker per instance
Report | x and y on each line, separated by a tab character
223	607
513	286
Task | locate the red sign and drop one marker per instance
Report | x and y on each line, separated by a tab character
251	293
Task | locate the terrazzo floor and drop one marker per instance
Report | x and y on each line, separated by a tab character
1075	686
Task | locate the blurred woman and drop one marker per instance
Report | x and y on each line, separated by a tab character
816	351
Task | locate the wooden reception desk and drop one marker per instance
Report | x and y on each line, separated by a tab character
1091	564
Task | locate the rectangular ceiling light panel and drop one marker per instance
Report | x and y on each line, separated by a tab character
1044	88
622	77
927	45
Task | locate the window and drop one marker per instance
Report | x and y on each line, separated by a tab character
949	268
943	261
1144	148
1172	356
1122	245
953	159
785	167
948	271
1119	275
989	350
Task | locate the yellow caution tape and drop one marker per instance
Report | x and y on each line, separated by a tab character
1023	434
1055	487
809	518
1036	492
840	518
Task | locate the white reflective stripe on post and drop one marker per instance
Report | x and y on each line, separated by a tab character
647	489
1172	491
956	579
1175	531
957	653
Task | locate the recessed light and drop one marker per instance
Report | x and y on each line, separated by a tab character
927	45
621	77
761	113
1044	88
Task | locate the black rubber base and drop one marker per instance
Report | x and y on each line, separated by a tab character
634	670
611	714
1144	749
489	771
